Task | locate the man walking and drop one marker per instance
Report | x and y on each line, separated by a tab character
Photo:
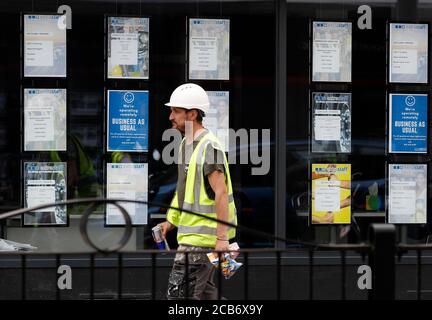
203	186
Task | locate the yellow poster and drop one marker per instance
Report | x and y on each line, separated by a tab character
331	193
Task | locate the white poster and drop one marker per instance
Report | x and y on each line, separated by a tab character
327	56
40	124
45	183
44	46
331	51
39	53
327	196
407	193
217	118
128	47
203	53
127	181
39	195
408	53
331	122
327	125
209	51
124	48
44	119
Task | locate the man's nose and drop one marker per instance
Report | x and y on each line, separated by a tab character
171	116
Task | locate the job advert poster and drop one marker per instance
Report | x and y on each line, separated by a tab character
217	118
127	181
331	122
209	49
44	183
408	53
128	48
331	51
44	46
45	120
407	193
127	121
408	123
331	193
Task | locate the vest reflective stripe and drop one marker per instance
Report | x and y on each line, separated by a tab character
196	230
203	208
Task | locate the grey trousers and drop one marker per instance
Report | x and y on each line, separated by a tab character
198	282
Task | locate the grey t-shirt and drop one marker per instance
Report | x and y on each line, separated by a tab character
212	162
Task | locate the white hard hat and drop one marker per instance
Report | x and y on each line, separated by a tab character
189	96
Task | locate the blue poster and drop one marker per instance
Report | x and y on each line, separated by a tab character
127	121
408	123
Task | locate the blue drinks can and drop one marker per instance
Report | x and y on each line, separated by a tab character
159	239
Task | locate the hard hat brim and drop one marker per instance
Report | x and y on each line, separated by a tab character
202	107
168	104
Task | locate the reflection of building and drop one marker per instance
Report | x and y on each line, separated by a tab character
89	135
84	104
85	111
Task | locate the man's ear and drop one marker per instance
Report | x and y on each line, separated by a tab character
193	114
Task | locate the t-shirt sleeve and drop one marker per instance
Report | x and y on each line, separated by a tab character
214	160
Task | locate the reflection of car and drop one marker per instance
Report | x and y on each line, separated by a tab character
255	196
367	159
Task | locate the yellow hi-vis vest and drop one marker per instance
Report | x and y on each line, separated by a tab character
194	230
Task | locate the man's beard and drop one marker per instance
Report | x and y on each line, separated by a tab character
176	126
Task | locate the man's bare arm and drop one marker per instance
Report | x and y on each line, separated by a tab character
217	183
